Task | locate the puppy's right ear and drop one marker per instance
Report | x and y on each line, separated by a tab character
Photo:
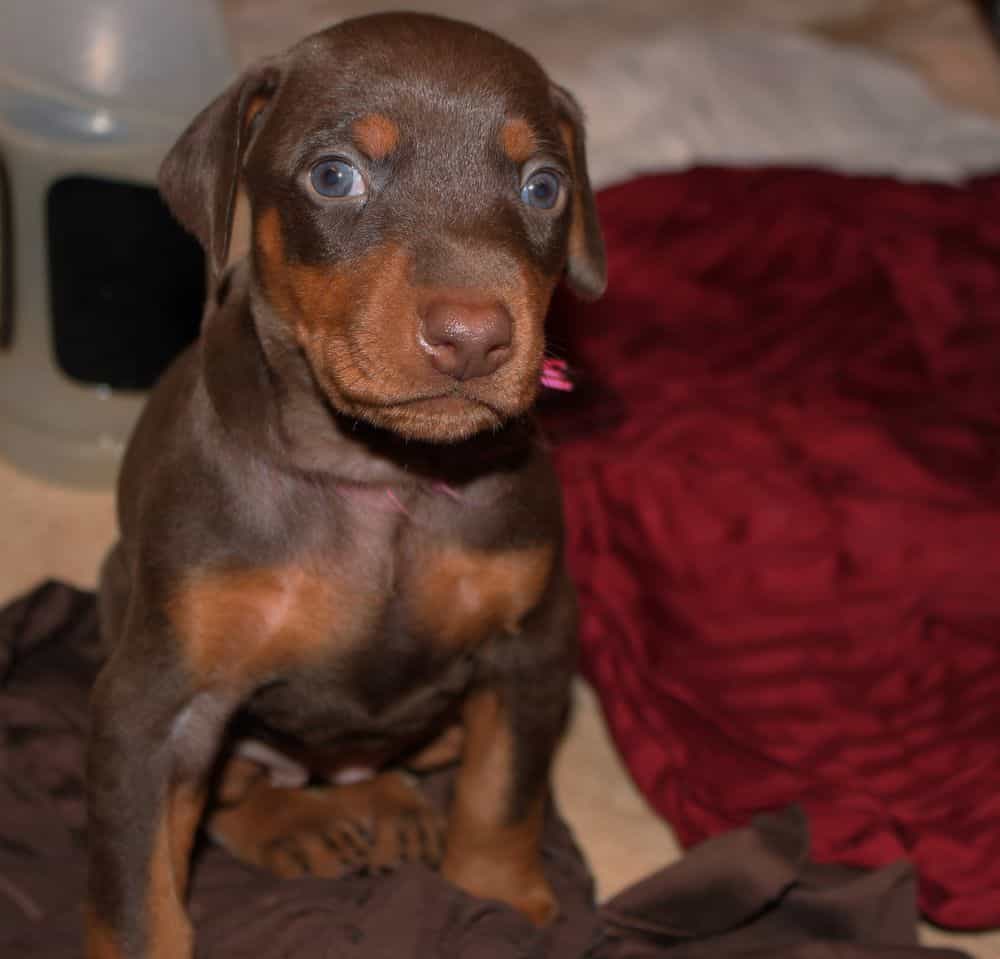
200	175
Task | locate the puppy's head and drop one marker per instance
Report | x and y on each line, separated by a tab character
417	188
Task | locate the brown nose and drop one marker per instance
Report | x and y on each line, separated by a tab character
465	340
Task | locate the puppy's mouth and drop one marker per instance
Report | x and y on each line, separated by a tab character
443	417
446	404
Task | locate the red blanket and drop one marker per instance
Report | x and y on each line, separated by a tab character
783	486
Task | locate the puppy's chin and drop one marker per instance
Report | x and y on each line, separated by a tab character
447	420
444	419
463	412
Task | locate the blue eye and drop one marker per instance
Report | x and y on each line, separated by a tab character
337	177
542	190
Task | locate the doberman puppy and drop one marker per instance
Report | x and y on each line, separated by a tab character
341	542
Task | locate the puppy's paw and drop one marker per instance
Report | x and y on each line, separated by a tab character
329	849
405	826
538	903
292	832
330	831
523	887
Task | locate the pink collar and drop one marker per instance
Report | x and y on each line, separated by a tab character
556	376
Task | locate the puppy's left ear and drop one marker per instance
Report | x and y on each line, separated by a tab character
199	176
586	270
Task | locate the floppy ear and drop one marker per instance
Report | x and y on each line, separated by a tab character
199	176
586	271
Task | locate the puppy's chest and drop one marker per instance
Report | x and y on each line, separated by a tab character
429	595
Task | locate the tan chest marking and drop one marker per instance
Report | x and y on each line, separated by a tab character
245	624
459	596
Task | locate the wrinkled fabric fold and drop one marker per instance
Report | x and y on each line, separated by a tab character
749	894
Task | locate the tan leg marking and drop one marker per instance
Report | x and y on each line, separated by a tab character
443	751
101	942
169	933
487	854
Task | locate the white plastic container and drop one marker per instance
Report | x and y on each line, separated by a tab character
92	94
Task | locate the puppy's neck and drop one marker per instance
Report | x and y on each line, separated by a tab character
263	391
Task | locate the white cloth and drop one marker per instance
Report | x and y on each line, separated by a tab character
668	84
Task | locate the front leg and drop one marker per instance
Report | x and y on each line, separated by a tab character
512	727
152	744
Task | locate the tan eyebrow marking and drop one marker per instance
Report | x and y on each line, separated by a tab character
376	135
518	139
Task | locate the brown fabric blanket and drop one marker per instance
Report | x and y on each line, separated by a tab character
749	894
